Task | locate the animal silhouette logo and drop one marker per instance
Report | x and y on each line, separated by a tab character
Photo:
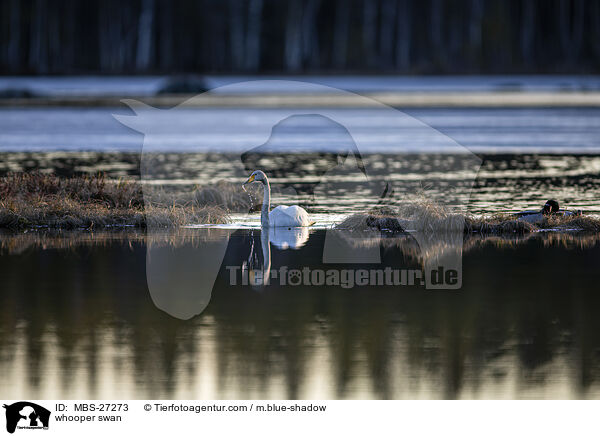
313	152
26	415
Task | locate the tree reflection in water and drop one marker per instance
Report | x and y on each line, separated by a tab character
77	321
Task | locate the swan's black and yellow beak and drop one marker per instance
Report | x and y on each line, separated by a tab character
250	180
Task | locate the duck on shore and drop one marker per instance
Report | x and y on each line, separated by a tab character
551	208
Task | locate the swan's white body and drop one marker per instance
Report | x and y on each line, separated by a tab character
281	237
288	237
281	216
288	216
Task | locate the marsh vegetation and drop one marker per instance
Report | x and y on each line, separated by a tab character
425	216
34	200
30	200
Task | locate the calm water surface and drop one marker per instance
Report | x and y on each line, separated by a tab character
236	130
78	321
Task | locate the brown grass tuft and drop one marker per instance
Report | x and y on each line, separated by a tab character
497	225
230	196
421	216
39	200
424	216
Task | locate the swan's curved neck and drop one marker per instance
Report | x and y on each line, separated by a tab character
264	213
266	250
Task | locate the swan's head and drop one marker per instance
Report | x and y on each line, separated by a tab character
256	176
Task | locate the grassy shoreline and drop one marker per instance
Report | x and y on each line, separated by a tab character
34	200
30	200
423	216
417	99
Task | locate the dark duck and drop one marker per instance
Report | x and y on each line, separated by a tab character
551	208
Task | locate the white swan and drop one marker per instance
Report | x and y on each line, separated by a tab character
283	238
281	216
286	237
259	275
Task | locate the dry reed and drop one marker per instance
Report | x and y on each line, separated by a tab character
29	200
424	216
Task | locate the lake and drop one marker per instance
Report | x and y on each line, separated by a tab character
124	314
78	321
520	157
480	130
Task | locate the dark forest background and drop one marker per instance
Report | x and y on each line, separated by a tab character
299	36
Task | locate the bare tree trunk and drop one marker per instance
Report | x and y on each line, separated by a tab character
105	38
340	34
293	37
386	36
220	48
38	53
236	33
570	31
125	39
435	32
14	45
69	48
594	16
55	61
369	31
120	40
404	36
145	33
475	26
117	39
310	34
166	35
454	41
527	31
253	35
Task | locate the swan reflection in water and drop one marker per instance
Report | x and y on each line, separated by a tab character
258	270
